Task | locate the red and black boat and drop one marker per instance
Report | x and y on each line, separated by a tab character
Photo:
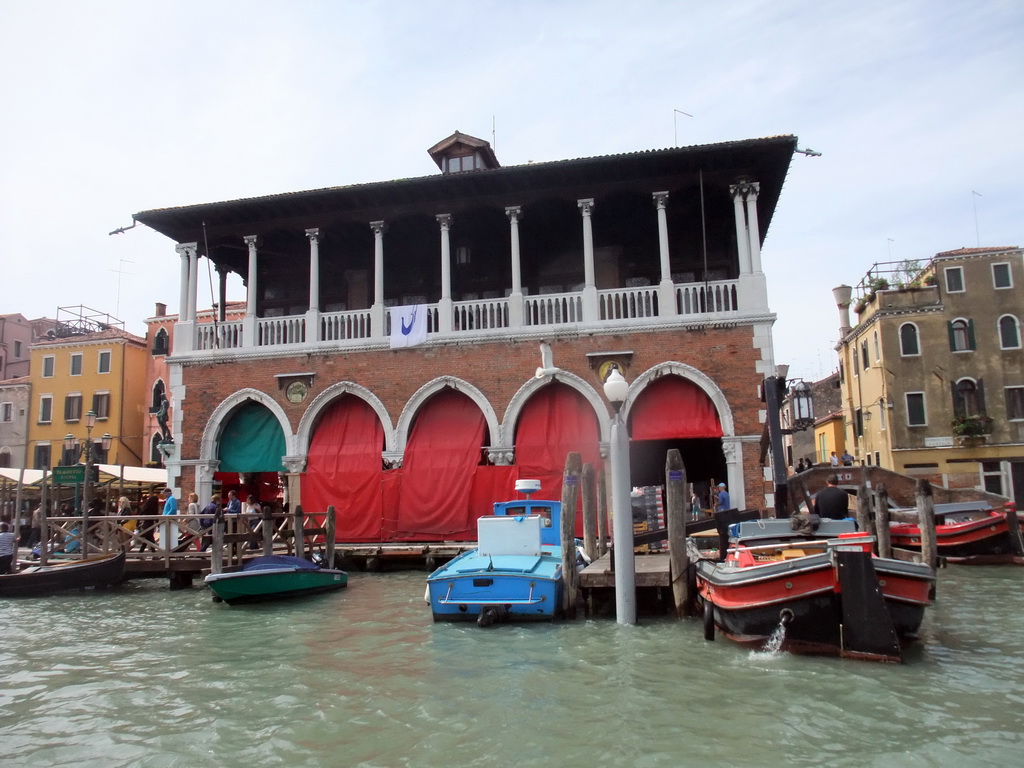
966	533
824	593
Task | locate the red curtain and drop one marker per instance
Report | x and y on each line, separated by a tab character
344	469
556	421
441	459
673	408
264	485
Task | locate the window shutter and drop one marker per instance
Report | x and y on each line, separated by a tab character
952	339
981	397
970	335
958	400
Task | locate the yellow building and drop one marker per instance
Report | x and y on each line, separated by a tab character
78	370
933	372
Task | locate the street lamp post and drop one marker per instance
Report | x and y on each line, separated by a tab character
71	446
615	389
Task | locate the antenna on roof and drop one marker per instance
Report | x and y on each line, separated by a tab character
494	134
675	124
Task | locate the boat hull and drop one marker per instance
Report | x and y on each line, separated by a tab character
513	597
242	587
92	573
979	541
751	604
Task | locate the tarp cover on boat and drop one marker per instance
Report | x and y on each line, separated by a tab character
672	408
252	441
441	459
556	421
344	469
268	562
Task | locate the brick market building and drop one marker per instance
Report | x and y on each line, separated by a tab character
531	283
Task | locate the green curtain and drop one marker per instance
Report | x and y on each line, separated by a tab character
252	441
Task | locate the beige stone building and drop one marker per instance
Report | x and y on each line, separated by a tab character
932	374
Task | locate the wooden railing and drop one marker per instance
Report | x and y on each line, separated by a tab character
190	541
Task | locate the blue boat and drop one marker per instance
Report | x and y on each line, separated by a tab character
515	572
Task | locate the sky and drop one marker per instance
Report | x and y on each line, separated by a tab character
114	107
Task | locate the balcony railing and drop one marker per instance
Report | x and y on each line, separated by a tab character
613	307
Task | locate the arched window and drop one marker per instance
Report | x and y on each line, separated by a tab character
909	344
967	398
160	342
158	396
961	335
1009	332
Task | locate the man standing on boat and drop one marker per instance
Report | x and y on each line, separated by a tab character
832	501
723	501
8	546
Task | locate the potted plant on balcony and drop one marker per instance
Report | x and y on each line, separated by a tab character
971	430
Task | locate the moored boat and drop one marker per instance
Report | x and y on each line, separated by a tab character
823	593
96	572
515	571
274	577
966	533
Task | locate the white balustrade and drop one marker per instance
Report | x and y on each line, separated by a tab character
226	335
628	303
701	298
342	326
480	314
278	331
553	309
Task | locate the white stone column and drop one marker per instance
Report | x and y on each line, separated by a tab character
444	307
742	239
732	449
184	329
193	283
222	292
753	229
515	299
313	313
183	252
251	286
378	314
666	288
590	313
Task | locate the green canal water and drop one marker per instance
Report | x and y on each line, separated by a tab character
142	676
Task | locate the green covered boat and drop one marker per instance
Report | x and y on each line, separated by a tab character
274	578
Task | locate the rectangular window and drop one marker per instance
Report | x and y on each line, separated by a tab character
104	366
915	410
17	349
48	364
878	461
41	457
76	364
1014	403
101	405
858	423
1001	276
45	409
992	474
6	412
864	355
73	407
954	279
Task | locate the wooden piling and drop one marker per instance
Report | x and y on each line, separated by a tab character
882	522
926	524
268	531
1016	539
675	517
863	511
570	498
300	543
331	533
44	513
217	551
589	511
602	514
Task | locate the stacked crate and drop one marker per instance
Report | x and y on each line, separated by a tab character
649	514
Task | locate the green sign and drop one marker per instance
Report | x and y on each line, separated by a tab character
69	475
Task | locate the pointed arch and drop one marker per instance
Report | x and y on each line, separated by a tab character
209	447
433	387
532	386
323	402
702	380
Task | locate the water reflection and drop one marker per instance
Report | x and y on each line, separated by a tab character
362	677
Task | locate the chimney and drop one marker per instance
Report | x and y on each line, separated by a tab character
842	296
161	310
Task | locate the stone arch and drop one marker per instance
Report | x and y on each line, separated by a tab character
431	388
702	380
322	402
222	413
530	387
